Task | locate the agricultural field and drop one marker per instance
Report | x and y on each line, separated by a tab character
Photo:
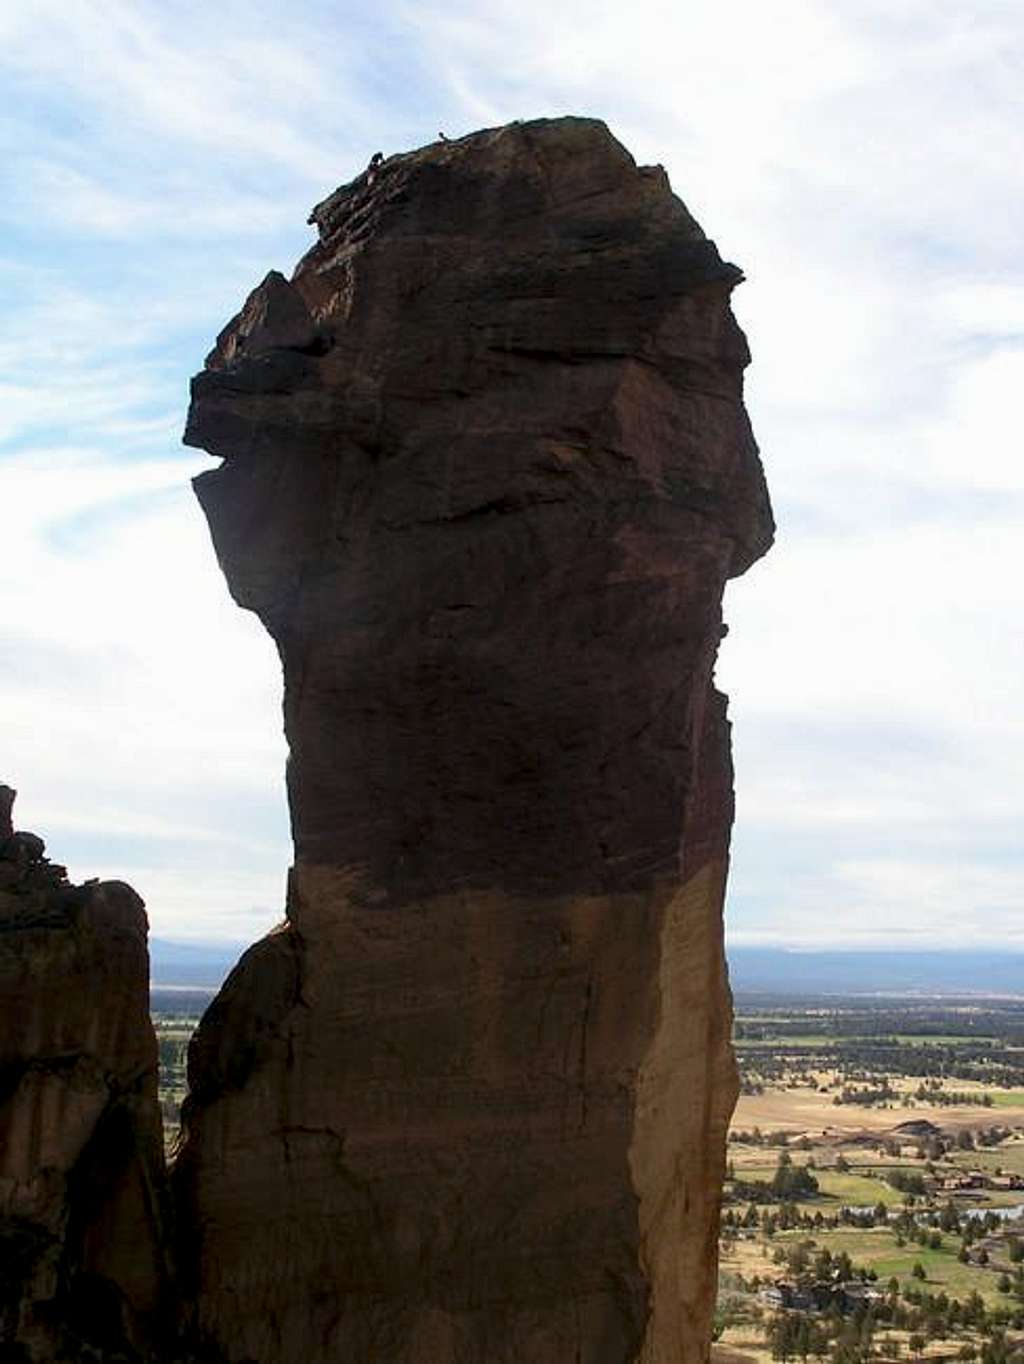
874	1206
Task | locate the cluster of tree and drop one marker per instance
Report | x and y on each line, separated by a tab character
807	1263
790	1217
867	1045
1012	1283
868	1095
173	1056
796	1335
792	1182
906	1181
170	1110
788	1184
991	1136
755	1137
774	1205
842	1338
978	1227
936	1315
983	1028
847	1337
933	1092
787	1217
955	1062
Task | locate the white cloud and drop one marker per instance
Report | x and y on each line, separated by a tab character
895	902
228	905
144	704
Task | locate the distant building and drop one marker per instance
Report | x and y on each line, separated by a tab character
1006	1182
789	1296
972	1179
854	1292
820	1296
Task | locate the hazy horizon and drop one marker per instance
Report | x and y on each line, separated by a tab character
795	971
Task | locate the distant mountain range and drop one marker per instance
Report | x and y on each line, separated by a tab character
779	970
198	964
772	970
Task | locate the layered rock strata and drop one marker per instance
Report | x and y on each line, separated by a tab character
83	1273
486	469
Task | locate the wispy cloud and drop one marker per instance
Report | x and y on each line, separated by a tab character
86	203
231	81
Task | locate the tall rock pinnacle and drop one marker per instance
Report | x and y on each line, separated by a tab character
486	469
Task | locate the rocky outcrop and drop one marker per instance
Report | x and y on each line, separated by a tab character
486	471
81	1157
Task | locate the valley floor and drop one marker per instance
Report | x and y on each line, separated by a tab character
876	1183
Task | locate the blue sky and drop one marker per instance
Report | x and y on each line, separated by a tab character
861	161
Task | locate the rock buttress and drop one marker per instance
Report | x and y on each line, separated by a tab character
486	469
82	1187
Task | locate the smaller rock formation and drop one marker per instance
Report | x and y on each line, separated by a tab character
81	1156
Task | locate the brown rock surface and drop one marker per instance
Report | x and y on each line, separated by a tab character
486	471
81	1156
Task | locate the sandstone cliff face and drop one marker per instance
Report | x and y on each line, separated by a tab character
81	1157
486	471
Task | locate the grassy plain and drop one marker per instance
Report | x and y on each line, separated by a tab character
803	1110
878	1249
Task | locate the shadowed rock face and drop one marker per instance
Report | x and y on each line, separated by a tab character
82	1269
486	471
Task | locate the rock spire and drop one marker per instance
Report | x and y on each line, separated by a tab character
486	470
